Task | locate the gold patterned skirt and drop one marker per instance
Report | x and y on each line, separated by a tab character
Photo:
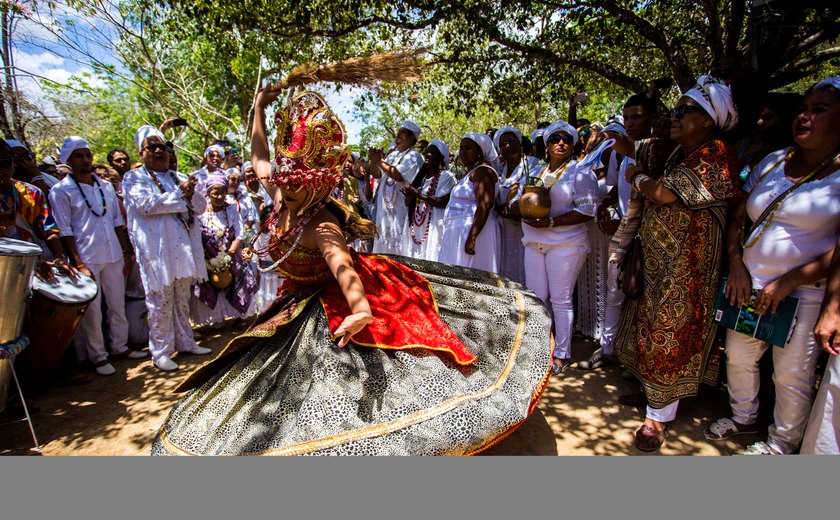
296	393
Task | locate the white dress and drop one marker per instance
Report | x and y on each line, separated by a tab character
457	221
511	250
391	210
424	229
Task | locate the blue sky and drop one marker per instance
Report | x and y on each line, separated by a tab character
40	54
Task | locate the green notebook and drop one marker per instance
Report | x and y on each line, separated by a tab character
772	328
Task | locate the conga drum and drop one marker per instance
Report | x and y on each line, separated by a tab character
17	267
54	314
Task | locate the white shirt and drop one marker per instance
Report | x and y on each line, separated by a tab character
243	203
220	221
576	190
804	227
95	238
165	250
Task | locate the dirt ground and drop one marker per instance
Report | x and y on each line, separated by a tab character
579	414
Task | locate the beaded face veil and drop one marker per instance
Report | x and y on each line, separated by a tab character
310	150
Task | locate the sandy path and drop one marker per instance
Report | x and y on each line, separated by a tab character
579	414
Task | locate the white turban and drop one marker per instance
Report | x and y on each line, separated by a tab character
537	133
355	156
715	97
506	130
486	144
245	166
14	143
71	144
833	81
615	127
443	149
144	132
214	147
560	126
412	127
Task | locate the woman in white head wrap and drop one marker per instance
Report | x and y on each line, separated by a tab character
514	165
794	203
471	229
556	246
424	228
682	239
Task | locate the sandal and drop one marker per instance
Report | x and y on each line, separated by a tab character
725	428
559	369
761	448
648	439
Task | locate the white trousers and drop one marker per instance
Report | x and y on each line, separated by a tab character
612	310
667	414
169	319
111	282
793	376
822	435
551	272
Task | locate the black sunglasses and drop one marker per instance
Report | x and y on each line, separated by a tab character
556	138
6	162
156	147
682	110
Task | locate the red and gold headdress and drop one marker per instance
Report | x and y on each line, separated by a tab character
310	149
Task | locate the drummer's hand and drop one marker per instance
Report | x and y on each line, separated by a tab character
351	325
65	266
45	271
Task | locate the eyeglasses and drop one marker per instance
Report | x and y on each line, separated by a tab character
6	162
156	147
23	156
556	138
682	110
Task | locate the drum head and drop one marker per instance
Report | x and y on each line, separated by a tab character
13	247
64	289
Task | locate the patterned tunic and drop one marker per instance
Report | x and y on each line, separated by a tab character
665	338
25	213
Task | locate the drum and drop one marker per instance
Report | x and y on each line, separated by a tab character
54	314
17	267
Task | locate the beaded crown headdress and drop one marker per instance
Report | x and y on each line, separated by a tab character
310	150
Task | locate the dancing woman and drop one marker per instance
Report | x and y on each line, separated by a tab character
359	354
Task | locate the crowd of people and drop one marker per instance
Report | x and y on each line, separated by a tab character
755	217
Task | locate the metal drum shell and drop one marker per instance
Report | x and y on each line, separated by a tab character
18	260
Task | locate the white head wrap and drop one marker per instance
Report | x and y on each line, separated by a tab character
14	143
144	132
497	137
537	133
412	127
615	127
214	147
833	81
443	149
355	156
245	166
715	97
71	144
560	126
486	144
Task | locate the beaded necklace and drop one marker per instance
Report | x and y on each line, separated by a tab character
101	195
219	231
770	212
296	231
188	222
422	210
561	169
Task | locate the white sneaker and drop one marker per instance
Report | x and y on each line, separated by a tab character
165	364
106	369
198	351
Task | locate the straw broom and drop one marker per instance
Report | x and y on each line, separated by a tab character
398	66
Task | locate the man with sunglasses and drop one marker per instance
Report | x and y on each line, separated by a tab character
161	205
26	168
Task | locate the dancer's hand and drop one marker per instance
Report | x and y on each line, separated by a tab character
351	325
266	97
